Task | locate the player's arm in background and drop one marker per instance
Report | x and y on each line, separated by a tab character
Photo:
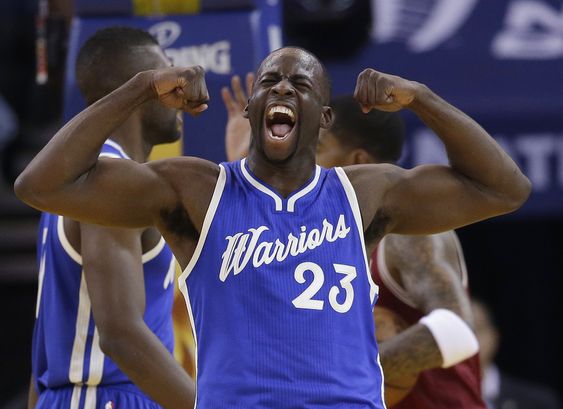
430	269
32	395
67	177
237	130
113	270
480	182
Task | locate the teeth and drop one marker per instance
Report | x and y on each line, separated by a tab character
282	110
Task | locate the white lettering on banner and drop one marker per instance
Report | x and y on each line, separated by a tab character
215	57
166	33
536	154
532	30
422	25
243	247
537	149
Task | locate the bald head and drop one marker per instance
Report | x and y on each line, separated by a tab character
111	57
308	60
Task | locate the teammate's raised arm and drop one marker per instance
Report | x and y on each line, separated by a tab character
67	178
237	130
482	181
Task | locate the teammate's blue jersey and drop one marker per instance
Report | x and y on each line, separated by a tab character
66	348
281	297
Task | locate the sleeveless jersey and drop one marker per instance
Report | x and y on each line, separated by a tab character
66	350
281	298
441	388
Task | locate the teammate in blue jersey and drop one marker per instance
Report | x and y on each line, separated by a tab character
104	306
275	270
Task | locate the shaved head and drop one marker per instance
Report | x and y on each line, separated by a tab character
111	57
309	60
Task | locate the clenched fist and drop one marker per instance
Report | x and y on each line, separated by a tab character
383	91
181	88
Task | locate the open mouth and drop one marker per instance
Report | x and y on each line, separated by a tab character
280	121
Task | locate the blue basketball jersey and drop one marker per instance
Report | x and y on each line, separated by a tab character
66	348
281	297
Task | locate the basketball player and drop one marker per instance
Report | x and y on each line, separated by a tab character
418	277
104	304
416	274
275	268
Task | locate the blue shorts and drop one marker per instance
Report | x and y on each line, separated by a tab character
121	396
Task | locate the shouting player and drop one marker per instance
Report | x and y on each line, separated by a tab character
417	275
274	235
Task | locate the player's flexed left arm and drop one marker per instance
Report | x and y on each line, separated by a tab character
67	177
482	181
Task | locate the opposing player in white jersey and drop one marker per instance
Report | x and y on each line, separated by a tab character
274	235
105	295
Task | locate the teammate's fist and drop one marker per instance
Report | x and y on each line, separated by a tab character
383	91
181	88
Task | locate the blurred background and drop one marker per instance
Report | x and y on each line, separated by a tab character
500	61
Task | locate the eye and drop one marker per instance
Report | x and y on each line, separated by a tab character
268	81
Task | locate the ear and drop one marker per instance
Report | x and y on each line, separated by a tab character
361	156
245	110
326	117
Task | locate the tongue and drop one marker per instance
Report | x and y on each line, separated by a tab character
280	130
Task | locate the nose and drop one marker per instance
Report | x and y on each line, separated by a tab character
283	87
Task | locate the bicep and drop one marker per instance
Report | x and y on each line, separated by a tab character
116	192
113	271
432	198
431	271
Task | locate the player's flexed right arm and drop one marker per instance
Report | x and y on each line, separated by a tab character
67	178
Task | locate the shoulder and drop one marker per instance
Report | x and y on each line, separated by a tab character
187	176
382	175
177	169
371	183
193	181
401	250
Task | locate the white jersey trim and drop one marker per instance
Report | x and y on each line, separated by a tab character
260	186
73	254
353	201
76	368
155	251
118	147
209	216
215	199
291	201
382	381
191	315
41	275
96	361
388	280
461	261
90	401
109	155
75	398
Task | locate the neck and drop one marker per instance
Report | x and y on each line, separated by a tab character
130	137
285	177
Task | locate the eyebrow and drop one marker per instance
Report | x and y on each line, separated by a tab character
300	77
293	77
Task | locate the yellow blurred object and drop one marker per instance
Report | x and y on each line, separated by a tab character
159	7
184	344
167	150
